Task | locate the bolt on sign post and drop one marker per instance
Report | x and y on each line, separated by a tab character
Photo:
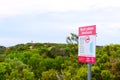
87	46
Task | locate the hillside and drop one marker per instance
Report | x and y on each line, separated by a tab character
50	61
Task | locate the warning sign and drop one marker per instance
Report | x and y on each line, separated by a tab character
87	44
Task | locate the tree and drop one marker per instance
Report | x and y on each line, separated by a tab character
73	38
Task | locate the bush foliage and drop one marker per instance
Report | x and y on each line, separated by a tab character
48	61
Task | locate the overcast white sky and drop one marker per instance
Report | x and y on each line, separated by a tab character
23	21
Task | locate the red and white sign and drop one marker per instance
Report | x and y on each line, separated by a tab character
87	44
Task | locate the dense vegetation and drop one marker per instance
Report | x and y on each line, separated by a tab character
47	61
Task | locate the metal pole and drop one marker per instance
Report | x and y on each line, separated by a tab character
89	71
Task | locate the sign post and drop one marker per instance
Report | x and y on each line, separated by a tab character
87	46
89	71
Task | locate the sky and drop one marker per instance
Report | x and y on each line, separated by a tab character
51	21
